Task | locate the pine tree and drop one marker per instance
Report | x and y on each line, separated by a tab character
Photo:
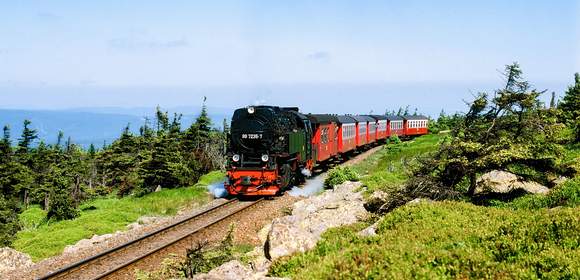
92	150
203	121
9	223
162	121
553	100
510	130
400	112
59	139
570	107
5	146
28	136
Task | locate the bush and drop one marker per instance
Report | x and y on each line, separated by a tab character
9	223
567	195
62	207
413	242
200	259
394	140
339	175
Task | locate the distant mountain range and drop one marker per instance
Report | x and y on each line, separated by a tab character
96	125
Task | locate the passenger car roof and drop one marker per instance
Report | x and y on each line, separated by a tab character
322	118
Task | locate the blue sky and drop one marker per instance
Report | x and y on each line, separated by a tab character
432	54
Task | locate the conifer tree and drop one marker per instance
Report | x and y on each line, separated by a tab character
509	130
5	145
570	107
28	136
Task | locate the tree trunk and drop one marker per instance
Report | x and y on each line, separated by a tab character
472	184
46	200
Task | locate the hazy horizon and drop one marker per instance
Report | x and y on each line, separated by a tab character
430	55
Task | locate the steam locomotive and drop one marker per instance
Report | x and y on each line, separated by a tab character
271	148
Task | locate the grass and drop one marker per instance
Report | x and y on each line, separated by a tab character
42	239
448	240
531	237
385	169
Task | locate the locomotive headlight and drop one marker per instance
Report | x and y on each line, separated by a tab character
265	158
236	158
251	110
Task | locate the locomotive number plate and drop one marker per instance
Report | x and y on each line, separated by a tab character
252	136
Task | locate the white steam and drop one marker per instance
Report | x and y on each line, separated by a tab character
306	172
217	190
311	187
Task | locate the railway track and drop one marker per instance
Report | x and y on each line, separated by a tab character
118	261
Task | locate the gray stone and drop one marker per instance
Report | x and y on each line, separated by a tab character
11	259
313	216
498	181
369	231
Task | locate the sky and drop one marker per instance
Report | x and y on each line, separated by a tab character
323	56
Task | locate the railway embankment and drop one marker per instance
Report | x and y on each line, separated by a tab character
298	232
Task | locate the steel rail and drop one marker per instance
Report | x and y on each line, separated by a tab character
74	266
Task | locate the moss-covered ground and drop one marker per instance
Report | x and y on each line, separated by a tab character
531	237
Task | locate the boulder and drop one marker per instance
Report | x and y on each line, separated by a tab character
233	270
313	216
498	181
419	200
369	231
88	243
376	201
11	259
286	237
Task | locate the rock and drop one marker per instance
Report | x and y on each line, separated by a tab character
133	226
158	189
11	259
233	270
419	200
498	181
87	243
286	238
369	231
532	187
313	216
559	180
146	220
376	201
263	233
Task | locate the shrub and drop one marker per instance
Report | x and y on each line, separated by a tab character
9	223
62	207
394	140
567	194
447	240
200	259
339	175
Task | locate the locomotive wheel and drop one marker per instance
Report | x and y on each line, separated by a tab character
286	176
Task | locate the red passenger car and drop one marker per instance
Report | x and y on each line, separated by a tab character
415	125
382	129
325	136
346	134
395	126
361	130
371	129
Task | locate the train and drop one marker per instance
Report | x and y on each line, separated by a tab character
272	148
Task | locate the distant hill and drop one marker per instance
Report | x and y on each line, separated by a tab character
94	125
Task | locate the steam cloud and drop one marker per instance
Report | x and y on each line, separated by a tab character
217	190
312	187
